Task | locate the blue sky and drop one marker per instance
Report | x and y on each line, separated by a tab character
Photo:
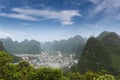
47	20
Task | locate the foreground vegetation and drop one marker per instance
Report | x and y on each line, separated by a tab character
24	71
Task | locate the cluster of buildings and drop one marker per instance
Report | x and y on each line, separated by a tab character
49	60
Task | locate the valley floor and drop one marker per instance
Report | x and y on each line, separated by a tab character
49	60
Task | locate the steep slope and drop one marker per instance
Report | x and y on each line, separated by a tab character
1	47
95	57
112	41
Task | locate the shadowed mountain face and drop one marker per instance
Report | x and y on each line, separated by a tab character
100	53
1	47
112	41
95	56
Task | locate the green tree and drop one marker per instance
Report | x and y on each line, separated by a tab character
75	76
105	77
44	73
5	67
90	75
22	70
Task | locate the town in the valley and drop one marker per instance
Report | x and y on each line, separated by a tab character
57	60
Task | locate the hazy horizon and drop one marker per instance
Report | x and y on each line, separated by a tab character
55	20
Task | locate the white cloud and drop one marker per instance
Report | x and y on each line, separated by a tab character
18	16
4	34
15	35
106	6
63	16
25	24
109	10
8	33
39	36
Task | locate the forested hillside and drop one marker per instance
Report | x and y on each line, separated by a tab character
112	41
95	57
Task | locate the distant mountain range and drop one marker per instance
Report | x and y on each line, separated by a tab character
15	58
73	45
24	47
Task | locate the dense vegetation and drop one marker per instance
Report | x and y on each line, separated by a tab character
24	71
112	41
95	57
100	53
